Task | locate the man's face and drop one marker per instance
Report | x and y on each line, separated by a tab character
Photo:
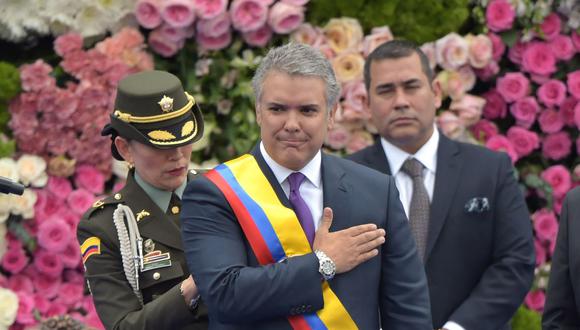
403	102
293	118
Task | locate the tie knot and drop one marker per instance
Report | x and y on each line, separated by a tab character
413	167
295	180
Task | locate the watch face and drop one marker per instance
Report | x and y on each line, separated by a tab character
327	268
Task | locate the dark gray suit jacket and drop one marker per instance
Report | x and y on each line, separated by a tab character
241	294
479	265
562	310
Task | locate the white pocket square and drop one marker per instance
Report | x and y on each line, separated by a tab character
477	205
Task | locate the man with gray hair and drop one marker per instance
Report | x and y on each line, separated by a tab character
287	237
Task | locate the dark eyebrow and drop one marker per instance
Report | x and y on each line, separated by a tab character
392	85
286	106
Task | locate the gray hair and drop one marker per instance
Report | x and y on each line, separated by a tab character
298	59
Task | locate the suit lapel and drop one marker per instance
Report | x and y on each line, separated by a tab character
156	225
335	192
376	158
449	165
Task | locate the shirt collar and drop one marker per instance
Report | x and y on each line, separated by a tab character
427	154
161	197
311	171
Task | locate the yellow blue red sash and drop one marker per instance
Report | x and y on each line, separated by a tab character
274	232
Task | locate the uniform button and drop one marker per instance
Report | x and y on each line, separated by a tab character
193	171
117	196
156	276
175	209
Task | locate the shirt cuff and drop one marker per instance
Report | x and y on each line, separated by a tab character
450	325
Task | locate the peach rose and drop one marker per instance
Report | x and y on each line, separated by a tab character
378	36
348	66
480	50
452	51
468	108
343	34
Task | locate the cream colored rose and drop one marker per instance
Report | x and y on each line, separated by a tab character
61	166
32	170
451	51
24	205
343	34
348	66
468	108
8	307
3	244
480	50
6	204
8	169
204	141
452	84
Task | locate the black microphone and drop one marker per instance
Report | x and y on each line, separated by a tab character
7	186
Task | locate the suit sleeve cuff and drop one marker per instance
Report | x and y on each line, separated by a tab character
450	325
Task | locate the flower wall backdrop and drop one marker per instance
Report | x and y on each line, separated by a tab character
509	69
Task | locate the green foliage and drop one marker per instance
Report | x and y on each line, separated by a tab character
420	21
9	87
526	319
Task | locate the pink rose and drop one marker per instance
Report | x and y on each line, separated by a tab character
483	130
516	52
353	106
535	300
259	37
54	235
501	143
450	124
214	43
550	121
14	260
488	72
574	83
525	111
556	146
25	315
539	59
551	26
307	34
480	50
378	36
468	108
552	92
513	86
80	200
495	106
498	47
56	308
41	303
214	27
248	15
47	286
208	9
71	255
48	263
173	34
577	114
36	76
70	293
499	15
524	141
161	45
89	178
148	13
358	141
559	178
178	13
59	187
562	47
284	18
452	51
568	112
337	137
20	283
545	225
540	252
68	43
295	2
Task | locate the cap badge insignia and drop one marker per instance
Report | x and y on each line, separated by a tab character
166	103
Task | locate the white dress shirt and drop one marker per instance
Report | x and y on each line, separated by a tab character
311	187
427	155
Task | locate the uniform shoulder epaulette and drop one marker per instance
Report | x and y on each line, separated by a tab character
101	204
193	173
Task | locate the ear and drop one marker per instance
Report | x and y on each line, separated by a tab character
436	88
331	116
124	149
258	115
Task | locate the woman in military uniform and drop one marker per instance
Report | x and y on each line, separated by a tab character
131	241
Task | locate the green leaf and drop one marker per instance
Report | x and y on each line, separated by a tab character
509	37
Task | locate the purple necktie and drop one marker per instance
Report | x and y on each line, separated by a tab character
300	208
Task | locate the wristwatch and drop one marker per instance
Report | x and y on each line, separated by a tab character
326	267
194	302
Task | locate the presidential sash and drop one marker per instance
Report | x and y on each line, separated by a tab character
274	232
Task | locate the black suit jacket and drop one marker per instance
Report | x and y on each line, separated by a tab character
562	310
479	265
241	294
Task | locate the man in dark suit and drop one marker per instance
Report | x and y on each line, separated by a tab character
465	209
562	310
249	225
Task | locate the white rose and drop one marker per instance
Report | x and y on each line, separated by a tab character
6	203
32	170
8	169
8	307
24	205
3	241
451	51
